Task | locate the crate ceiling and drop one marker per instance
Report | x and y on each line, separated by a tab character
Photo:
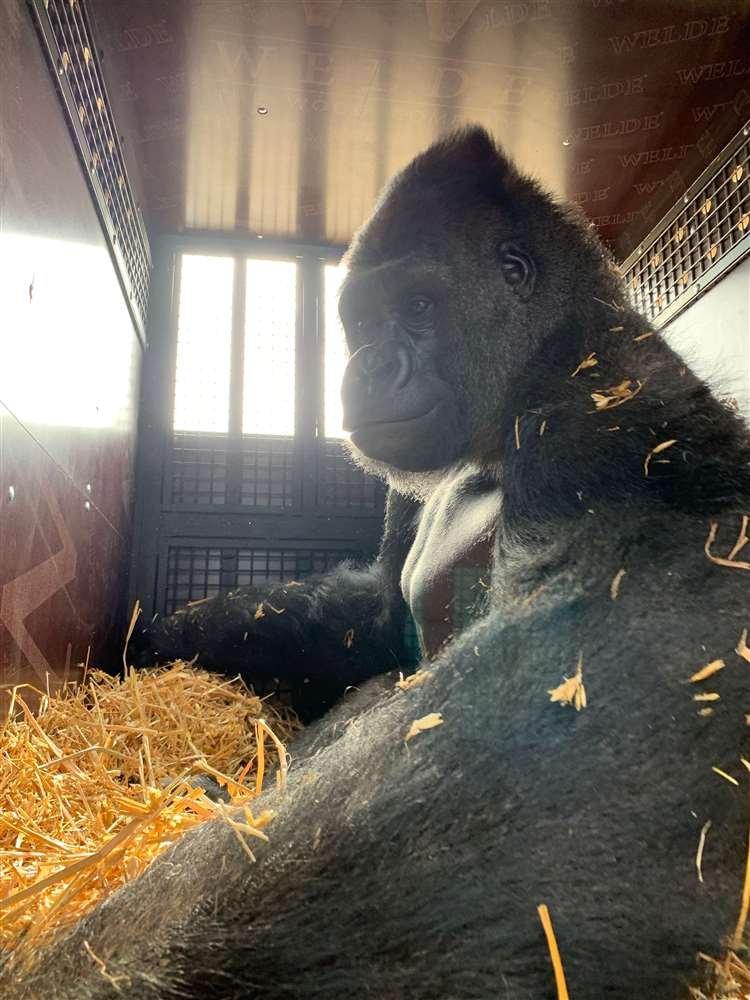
282	118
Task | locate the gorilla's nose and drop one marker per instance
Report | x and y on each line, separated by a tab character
373	377
378	366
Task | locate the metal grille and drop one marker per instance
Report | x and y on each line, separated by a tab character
262	469
259	566
267	472
192	574
270	333
342	486
704	235
197	572
204	344
199	470
67	39
266	468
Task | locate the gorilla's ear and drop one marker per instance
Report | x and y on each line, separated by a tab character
518	269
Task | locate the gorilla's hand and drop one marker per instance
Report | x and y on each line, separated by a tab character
315	637
191	631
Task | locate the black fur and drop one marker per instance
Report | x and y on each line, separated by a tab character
413	870
310	638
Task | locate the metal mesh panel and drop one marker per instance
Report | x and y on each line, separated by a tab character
342	486
192	574
270	333
257	566
67	39
704	234
204	337
267	472
197	572
199	470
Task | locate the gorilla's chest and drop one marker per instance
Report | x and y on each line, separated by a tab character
446	576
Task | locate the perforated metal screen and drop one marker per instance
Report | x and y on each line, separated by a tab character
199	470
68	44
342	485
197	572
706	233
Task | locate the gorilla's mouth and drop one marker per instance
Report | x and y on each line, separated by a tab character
385	425
415	443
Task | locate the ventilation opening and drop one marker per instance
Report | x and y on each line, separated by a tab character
197	572
706	233
67	42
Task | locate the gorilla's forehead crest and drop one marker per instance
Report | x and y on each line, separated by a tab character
462	171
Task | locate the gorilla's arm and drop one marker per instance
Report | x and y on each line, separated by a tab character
414	869
317	636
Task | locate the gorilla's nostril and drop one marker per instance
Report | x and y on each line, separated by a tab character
364	360
402	367
385	366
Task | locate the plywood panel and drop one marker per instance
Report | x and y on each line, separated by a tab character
63	566
68	386
618	104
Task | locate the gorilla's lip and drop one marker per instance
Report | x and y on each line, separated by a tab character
373	424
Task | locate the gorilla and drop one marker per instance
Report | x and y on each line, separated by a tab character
565	523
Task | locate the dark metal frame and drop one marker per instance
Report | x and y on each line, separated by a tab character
306	526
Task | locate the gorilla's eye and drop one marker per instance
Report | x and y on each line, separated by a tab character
418	309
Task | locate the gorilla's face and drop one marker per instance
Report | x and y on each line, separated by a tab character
430	341
460	276
398	406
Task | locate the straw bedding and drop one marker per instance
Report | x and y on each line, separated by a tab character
93	784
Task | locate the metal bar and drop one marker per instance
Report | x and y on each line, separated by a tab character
236	385
310	363
153	455
209	242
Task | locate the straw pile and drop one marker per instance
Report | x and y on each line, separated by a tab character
93	787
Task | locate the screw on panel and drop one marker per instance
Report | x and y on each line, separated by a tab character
87	505
11	494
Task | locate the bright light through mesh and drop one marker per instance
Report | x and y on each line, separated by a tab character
336	353
204	335
270	327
